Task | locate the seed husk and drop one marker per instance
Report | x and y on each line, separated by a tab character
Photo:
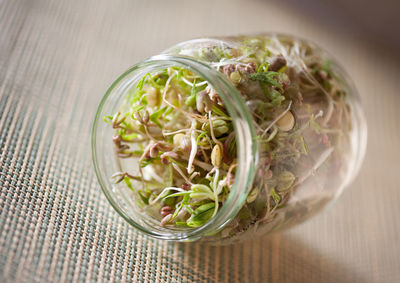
216	156
235	77
286	123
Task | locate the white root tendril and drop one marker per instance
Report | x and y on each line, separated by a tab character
176	167
194	174
167	84
322	158
193	150
191	84
148	171
319	114
164	192
294	58
224	61
181	131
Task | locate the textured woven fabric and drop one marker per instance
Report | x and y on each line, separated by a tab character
57	58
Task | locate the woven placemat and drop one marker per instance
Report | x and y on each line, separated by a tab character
57	58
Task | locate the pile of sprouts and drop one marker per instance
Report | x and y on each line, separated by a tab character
175	127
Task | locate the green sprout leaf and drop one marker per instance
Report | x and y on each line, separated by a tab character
268	78
201	215
285	181
275	196
108	119
140	84
156	115
315	125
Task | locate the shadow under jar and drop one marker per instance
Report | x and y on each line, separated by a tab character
222	139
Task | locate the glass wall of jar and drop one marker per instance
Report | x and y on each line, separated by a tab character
220	139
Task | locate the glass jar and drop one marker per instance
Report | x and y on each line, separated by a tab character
299	129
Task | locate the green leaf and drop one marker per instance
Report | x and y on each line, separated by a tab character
189	209
148	161
244	213
220	127
252	195
199	188
201	215
218	110
168	201
180	205
191	100
180	73
275	196
128	183
304	147
285	181
203	134
140	84
263	67
177	194
277	101
108	119
327	67
177	210
145	199
204	208
136	97
156	115
202	195
169	110
135	109
126	136
315	125
268	78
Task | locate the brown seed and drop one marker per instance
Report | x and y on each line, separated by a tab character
235	52
285	180
235	78
286	123
172	96
253	195
166	210
166	157
182	141
203	101
146	117
277	64
228	69
154	150
216	156
186	187
324	139
177	139
152	96
165	220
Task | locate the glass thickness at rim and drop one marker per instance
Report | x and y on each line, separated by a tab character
245	134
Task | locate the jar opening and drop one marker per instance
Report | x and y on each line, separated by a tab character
245	142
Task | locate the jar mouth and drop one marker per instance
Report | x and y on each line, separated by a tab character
243	128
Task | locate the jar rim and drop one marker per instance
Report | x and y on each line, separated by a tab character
244	132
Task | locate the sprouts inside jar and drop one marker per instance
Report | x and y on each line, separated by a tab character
177	146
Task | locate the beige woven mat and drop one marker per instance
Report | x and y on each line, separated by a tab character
56	60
